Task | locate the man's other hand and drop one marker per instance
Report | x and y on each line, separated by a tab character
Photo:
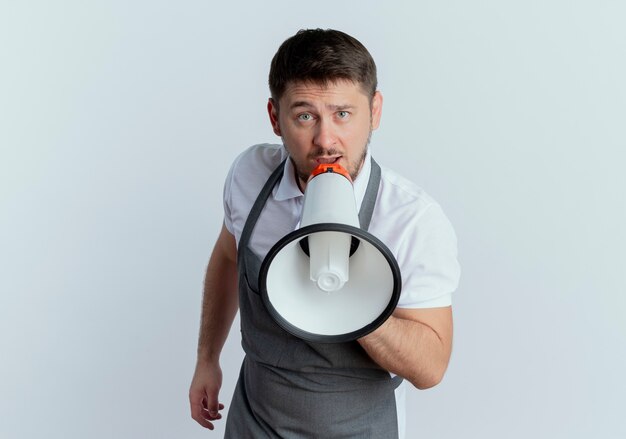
203	394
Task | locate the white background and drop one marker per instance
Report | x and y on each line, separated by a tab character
119	120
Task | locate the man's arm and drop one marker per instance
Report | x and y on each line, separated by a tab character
413	343
219	307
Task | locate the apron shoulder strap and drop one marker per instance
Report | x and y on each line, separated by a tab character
258	205
369	200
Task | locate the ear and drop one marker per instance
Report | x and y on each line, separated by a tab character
377	109
272	111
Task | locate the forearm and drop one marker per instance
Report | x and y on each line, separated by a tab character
412	349
219	306
220	299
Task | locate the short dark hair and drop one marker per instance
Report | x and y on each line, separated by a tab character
322	56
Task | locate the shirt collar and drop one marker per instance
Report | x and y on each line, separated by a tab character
288	188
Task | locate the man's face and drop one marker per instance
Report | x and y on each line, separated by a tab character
322	124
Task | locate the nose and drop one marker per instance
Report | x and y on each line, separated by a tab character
325	136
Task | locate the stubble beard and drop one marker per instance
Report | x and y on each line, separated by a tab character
353	169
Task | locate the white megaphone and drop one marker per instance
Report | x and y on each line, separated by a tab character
329	281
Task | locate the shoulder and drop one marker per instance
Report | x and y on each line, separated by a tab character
259	159
398	192
254	165
247	175
403	205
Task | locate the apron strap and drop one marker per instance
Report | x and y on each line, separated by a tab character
257	207
369	200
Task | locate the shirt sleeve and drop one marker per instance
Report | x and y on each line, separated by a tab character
431	270
246	176
227	198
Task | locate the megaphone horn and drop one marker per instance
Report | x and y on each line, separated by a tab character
329	281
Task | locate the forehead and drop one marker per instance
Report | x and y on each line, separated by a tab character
346	92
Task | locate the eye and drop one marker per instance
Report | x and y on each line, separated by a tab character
343	114
305	117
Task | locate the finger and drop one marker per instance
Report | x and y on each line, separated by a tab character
206	414
202	417
196	402
199	412
213	405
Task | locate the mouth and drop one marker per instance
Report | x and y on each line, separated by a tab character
327	160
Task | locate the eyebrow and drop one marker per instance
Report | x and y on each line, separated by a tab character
306	104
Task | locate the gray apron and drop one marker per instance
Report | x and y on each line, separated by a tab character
290	388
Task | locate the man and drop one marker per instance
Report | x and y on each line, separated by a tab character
324	105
